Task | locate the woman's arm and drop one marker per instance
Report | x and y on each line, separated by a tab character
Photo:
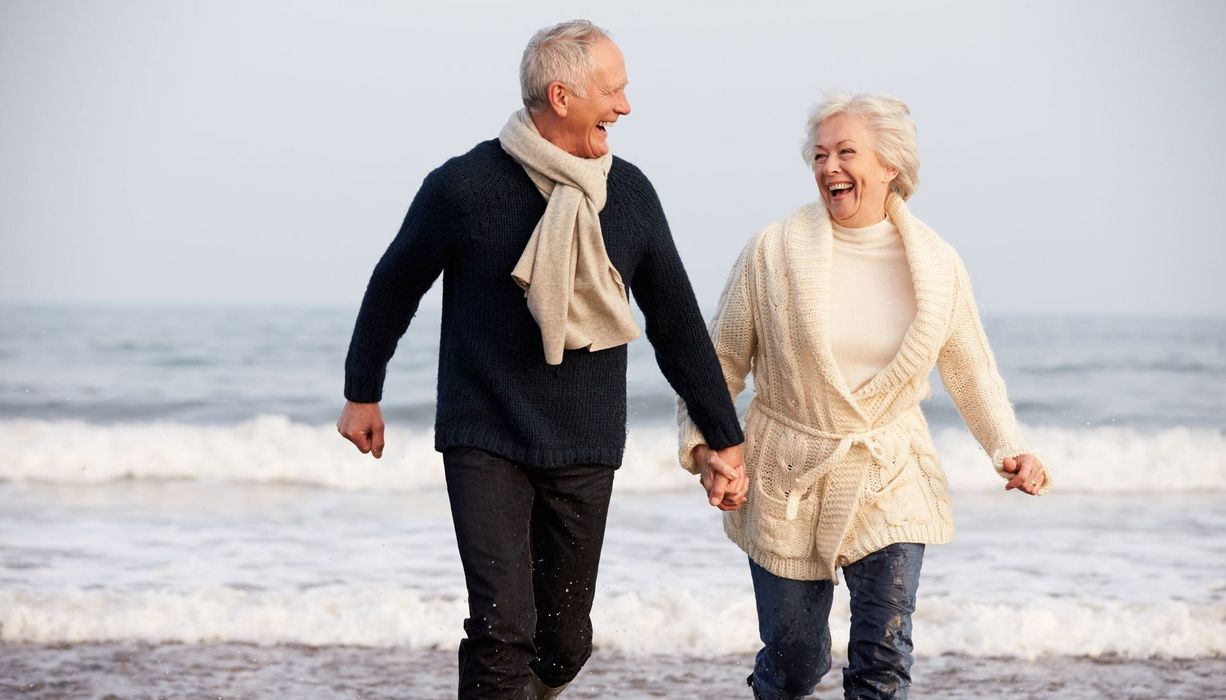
969	372
733	333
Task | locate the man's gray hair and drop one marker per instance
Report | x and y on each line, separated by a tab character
563	53
889	121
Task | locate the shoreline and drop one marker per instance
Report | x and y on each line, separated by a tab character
110	671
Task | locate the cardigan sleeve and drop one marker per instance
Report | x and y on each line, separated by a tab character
969	372
411	264
734	336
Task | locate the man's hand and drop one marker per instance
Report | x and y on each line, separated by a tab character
1031	475
723	475
362	424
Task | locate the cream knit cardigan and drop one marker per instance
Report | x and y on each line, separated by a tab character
834	474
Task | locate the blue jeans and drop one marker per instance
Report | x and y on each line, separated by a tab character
794	622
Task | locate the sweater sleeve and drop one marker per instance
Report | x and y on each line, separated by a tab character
968	370
677	332
735	338
403	275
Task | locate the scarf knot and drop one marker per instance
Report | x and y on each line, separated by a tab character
574	292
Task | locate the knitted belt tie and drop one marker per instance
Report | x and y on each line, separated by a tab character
867	438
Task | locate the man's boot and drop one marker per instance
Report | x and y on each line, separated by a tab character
537	690
749	682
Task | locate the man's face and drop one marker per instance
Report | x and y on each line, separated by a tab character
585	125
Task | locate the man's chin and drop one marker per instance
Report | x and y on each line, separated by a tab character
598	146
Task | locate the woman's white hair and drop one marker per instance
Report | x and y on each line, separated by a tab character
563	53
889	121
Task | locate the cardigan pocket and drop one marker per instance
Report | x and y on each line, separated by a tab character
901	498
772	530
775	457
902	490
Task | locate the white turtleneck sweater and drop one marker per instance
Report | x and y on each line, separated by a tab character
872	299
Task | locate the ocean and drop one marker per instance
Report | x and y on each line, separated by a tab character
179	518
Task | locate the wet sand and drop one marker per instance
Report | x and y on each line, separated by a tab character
114	671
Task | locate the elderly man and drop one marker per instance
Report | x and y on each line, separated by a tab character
537	235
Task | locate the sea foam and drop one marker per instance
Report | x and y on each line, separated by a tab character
661	621
273	449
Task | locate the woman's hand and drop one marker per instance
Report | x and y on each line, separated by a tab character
723	475
1031	474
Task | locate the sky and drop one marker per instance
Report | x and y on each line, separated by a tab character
264	153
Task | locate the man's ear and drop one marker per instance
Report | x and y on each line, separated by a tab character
559	98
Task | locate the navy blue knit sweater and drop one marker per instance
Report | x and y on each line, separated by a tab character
470	221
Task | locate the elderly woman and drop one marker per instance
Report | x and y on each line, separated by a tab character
841	311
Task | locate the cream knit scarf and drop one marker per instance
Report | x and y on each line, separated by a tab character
573	291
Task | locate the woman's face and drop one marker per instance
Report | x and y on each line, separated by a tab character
852	179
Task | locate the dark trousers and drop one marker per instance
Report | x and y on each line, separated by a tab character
794	622
529	540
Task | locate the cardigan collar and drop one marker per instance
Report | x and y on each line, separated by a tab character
809	253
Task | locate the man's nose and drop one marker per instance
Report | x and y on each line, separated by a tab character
623	105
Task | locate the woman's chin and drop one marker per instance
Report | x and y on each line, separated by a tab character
842	213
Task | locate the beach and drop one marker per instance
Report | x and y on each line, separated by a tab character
178	518
241	671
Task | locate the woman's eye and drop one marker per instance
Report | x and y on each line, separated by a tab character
819	157
847	151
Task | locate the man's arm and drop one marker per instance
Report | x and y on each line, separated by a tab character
679	336
404	274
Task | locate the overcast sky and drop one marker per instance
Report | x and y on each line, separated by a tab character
265	152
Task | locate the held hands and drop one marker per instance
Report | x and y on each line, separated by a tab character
723	475
362	424
1031	474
